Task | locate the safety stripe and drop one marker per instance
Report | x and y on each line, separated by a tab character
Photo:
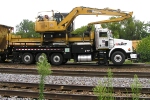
30	49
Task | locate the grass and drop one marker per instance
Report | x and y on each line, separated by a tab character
104	90
136	88
147	62
128	62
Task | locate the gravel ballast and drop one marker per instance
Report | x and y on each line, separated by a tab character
70	80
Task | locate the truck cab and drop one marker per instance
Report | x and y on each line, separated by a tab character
117	49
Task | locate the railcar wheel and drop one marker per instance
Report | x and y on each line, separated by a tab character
27	58
56	59
118	58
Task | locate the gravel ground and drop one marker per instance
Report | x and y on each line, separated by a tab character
70	80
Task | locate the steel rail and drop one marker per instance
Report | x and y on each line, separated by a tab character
76	73
61	96
87	64
66	87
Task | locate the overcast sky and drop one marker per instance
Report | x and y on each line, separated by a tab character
12	12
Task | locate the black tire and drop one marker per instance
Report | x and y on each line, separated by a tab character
56	59
38	57
118	58
27	58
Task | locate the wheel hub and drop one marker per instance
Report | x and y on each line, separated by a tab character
56	59
118	58
26	58
41	58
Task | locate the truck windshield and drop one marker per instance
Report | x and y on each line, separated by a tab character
102	34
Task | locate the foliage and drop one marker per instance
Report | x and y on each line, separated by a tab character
136	88
129	29
128	62
43	69
105	90
143	48
101	91
26	29
81	30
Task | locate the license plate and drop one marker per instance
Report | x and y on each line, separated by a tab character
133	55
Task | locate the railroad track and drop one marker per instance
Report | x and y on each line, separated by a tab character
76	73
72	64
63	92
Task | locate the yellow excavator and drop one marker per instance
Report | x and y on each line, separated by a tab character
60	25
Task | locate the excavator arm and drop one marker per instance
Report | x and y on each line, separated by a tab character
55	26
91	11
112	20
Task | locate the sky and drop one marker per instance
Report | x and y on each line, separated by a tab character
12	12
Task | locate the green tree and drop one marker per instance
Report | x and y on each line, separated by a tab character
143	48
81	30
44	70
26	29
135	29
130	29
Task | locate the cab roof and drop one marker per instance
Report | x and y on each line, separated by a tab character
6	26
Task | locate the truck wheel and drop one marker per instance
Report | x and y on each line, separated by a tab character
27	58
56	59
118	58
39	57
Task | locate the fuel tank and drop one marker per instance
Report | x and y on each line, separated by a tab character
84	58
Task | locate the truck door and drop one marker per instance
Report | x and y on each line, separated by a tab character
103	40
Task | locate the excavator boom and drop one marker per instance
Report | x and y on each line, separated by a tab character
91	11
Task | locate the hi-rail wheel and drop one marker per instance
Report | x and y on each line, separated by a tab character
27	58
39	57
56	59
118	58
65	61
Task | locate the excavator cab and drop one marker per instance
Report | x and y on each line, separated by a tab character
45	21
